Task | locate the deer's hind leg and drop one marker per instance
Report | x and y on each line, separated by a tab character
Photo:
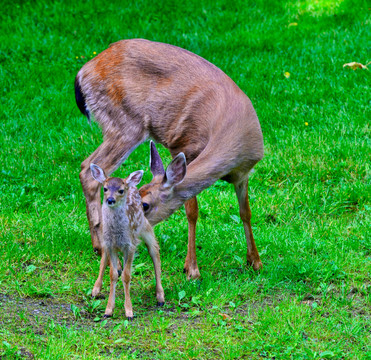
109	156
98	284
190	265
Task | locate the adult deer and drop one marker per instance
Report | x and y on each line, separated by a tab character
138	89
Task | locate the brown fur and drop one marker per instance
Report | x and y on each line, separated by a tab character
138	89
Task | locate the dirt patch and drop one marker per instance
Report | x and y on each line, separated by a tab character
41	309
38	312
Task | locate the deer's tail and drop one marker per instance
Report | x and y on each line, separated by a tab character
80	99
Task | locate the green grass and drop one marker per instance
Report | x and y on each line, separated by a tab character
310	195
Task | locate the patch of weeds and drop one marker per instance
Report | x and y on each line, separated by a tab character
76	311
92	305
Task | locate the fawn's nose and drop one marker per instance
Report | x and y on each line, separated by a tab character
111	201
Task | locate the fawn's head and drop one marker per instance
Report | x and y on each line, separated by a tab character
115	189
157	196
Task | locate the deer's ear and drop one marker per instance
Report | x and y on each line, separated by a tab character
134	178
98	173
176	171
157	167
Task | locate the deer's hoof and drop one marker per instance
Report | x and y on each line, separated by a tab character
160	303
257	265
99	297
95	293
106	316
130	318
193	274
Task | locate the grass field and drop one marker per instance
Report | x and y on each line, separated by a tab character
310	195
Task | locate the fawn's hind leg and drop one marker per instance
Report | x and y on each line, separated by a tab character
154	251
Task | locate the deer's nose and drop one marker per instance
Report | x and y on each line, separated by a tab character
111	201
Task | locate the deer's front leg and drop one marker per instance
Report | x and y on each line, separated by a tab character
190	265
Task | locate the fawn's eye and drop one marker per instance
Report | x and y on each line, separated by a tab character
145	206
105	189
121	191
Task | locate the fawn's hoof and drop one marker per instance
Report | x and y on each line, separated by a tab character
130	318
160	303
106	316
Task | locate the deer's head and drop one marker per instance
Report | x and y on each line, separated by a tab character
159	196
115	189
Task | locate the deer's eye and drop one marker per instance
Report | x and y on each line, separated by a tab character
145	206
121	191
105	189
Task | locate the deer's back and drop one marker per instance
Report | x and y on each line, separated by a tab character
176	97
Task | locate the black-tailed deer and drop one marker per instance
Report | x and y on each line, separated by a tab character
138	89
123	224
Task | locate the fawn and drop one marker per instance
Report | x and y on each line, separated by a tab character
123	224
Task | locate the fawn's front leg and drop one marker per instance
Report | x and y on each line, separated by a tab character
98	284
126	278
114	275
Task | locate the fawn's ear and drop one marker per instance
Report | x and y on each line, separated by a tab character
134	178
98	173
155	162
176	171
